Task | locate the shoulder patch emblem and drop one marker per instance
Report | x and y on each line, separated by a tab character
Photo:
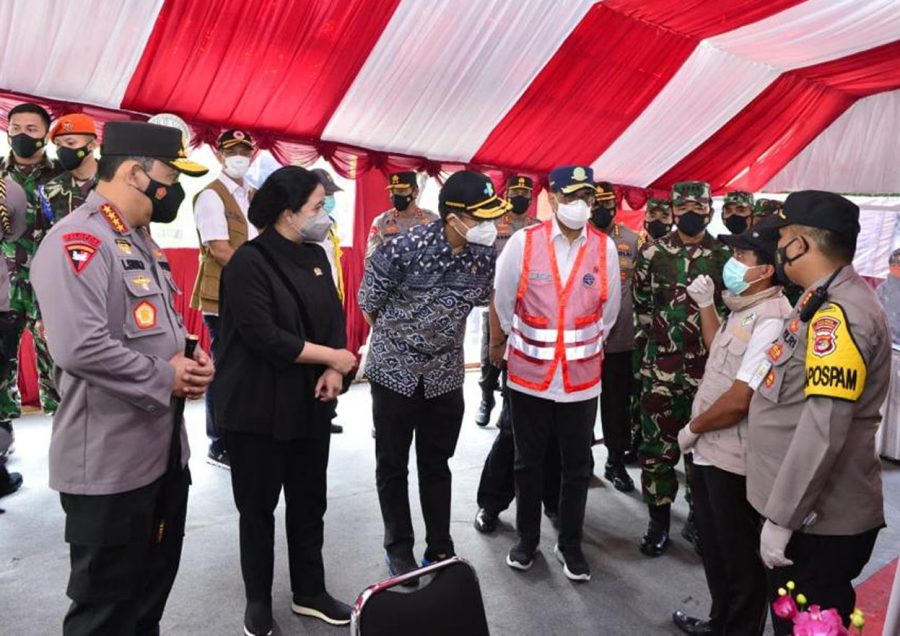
835	367
80	247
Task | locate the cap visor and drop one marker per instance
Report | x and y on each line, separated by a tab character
498	208
737	241
575	187
188	167
231	143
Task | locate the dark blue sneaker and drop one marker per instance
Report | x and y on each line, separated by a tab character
401	565
428	559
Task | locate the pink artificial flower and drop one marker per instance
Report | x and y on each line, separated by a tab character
785	607
815	622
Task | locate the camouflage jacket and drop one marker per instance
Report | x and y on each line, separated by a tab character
667	320
61	195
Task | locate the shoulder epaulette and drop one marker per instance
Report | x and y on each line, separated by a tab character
115	220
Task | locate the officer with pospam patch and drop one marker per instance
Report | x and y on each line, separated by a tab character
812	471
107	295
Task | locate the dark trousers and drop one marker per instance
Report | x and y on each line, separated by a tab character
436	423
497	487
260	468
120	576
534	421
490	375
212	325
615	404
729	532
824	568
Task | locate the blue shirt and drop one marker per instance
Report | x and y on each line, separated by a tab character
422	294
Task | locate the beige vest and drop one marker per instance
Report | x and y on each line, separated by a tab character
206	288
726	448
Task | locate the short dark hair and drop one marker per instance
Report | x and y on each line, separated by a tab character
764	258
107	166
288	188
29	107
837	247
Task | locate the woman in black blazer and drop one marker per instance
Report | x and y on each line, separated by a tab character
281	362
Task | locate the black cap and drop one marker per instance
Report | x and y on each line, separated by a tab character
605	191
472	193
759	238
398	180
327	181
140	139
816	208
520	181
235	137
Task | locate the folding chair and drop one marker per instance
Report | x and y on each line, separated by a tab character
448	603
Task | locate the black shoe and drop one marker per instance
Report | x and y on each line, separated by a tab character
575	566
520	557
630	457
553	517
619	477
691	534
218	457
337	428
485	521
258	618
656	540
691	625
324	607
483	417
12	484
430	557
398	565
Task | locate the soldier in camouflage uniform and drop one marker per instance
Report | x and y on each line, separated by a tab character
673	354
404	215
75	137
29	166
736	211
657	219
764	208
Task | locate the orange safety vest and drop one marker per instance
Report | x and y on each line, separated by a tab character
555	324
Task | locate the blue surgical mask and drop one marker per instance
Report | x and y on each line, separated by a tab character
733	276
328	205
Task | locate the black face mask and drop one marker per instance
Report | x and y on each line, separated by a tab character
71	158
781	259
401	201
24	146
691	223
601	217
657	229
520	204
166	200
736	224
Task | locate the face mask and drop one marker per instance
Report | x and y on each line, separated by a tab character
733	276
657	229
328	206
237	166
166	200
485	233
573	215
601	217
24	146
315	230
520	204
736	224
691	223
71	158
781	259
401	201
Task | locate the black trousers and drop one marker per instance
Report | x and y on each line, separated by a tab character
497	487
120	576
534	421
615	404
212	325
490	375
436	423
729	532
260	468
824	568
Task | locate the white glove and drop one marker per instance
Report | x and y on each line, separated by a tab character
687	438
772	543
702	290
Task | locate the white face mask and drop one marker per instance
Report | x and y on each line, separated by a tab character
485	233
573	215
237	166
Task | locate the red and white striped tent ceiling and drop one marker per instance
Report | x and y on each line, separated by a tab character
741	93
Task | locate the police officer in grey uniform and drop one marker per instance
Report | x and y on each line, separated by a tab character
404	215
107	298
812	471
13	205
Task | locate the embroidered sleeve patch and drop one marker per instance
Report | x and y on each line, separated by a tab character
834	365
80	247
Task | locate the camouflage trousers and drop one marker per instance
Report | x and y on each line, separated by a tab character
10	399
665	409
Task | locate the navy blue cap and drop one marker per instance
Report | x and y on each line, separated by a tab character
569	179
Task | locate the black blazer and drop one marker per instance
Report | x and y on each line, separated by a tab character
258	387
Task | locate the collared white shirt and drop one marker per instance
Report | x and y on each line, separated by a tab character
506	286
209	211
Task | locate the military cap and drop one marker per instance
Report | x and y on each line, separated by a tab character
327	181
817	208
399	180
235	137
739	198
605	191
472	193
73	124
759	238
656	204
765	207
686	191
569	179
520	181
140	139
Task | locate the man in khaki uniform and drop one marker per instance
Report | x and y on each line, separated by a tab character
404	214
116	340
812	472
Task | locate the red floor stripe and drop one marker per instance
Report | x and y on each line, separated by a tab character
872	598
